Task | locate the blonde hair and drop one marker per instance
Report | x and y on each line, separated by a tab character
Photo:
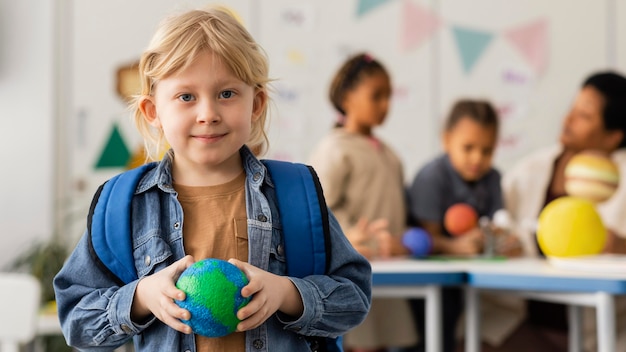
178	40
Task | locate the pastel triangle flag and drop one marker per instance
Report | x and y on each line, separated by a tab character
471	45
365	6
532	42
419	24
115	152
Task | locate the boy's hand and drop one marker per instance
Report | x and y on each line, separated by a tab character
509	245
469	243
269	292
156	294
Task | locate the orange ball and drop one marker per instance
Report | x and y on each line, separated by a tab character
460	218
591	175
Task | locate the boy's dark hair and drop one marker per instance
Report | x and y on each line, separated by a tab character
349	76
612	86
480	111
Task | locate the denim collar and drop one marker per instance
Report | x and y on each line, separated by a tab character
161	174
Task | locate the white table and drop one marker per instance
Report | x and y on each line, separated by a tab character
538	279
405	278
526	277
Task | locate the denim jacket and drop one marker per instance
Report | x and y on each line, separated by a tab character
95	312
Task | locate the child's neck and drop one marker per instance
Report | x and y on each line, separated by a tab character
358	129
187	174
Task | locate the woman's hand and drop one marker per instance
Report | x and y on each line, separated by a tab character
270	293
155	294
614	243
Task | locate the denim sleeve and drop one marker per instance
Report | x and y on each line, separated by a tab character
339	301
94	312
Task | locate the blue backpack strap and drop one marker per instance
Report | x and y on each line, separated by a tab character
303	215
306	232
109	228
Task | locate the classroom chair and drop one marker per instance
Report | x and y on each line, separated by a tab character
20	296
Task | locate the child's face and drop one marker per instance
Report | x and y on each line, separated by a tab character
470	147
583	127
367	104
205	112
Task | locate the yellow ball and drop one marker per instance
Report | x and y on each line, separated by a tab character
591	175
570	226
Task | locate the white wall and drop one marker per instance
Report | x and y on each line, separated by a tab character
26	120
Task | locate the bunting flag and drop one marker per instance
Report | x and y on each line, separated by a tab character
471	45
532	42
419	24
115	152
366	6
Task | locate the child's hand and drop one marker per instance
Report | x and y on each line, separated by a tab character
371	239
469	243
156	294
360	238
270	293
509	245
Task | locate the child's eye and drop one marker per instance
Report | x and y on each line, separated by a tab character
227	94
186	97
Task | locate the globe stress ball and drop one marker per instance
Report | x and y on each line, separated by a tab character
213	296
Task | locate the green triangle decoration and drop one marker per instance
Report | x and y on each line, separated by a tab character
115	152
366	6
471	45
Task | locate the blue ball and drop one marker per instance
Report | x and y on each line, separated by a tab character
213	296
418	241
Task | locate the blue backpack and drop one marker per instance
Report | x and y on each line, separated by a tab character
301	206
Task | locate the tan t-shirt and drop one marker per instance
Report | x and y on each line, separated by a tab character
215	226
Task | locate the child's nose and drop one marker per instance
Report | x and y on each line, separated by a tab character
207	113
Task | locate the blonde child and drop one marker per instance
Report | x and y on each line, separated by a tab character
363	185
462	174
204	93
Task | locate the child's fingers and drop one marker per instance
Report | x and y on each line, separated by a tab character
174	293
180	265
384	241
253	314
177	312
362	225
249	270
243	266
378	225
177	325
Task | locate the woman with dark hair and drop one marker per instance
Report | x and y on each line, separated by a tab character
596	121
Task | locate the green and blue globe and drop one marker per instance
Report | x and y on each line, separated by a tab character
213	296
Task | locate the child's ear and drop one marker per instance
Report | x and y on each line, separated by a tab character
259	103
148	109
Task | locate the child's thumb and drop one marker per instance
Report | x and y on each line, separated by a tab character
379	225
